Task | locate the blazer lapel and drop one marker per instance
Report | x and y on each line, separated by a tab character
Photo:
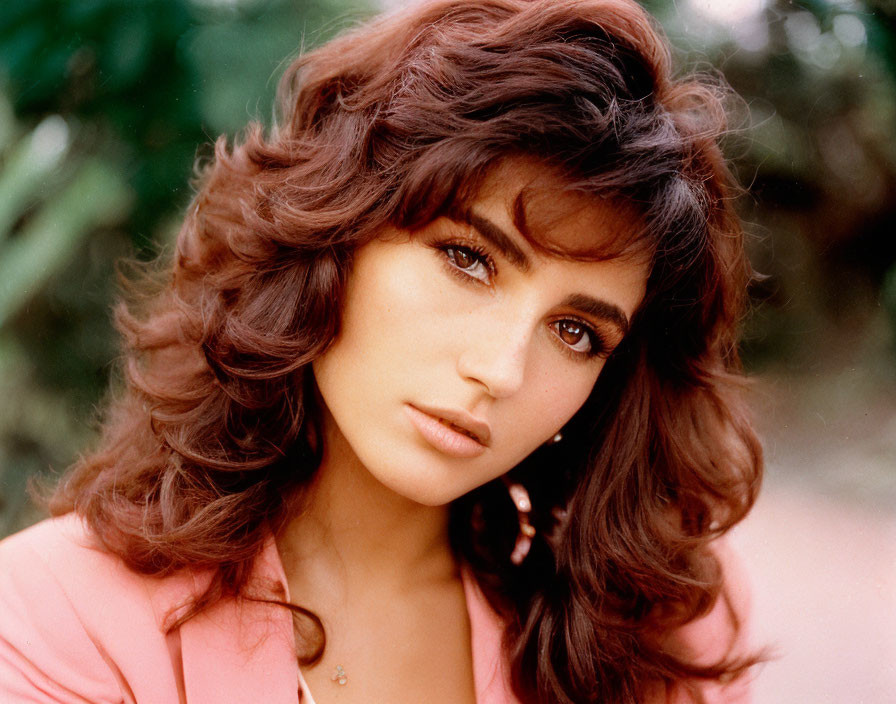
490	674
241	650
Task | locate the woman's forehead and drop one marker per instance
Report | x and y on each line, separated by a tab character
557	217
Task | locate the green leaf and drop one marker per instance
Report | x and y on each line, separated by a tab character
29	163
95	195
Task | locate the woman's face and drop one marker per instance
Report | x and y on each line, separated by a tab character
462	349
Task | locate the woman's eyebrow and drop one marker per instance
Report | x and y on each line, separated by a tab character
504	243
597	308
499	239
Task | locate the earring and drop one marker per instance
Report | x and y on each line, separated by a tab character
557	438
523	504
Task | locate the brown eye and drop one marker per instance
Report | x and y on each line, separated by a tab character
575	335
463	259
471	263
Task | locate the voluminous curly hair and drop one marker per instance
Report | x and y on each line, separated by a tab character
212	438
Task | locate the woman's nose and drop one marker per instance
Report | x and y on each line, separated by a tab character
494	355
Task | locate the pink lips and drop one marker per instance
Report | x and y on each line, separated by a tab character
450	431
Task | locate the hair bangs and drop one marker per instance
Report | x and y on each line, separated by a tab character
605	226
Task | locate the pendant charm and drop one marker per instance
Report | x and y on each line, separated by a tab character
339	676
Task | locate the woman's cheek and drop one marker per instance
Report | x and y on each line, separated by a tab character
562	391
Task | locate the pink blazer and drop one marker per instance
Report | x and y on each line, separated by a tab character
77	626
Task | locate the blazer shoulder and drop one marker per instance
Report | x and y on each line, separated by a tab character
46	652
77	623
62	550
51	538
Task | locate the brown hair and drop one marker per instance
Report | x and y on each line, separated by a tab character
215	433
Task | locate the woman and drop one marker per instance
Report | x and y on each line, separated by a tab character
438	400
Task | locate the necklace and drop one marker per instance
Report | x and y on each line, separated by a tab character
339	676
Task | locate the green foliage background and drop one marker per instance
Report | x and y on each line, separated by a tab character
104	105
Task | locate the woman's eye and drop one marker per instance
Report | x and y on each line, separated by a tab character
469	262
575	335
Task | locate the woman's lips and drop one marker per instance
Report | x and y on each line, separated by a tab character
447	436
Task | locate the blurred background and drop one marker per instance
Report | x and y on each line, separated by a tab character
105	104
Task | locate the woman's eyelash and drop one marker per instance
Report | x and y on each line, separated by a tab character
462	259
597	344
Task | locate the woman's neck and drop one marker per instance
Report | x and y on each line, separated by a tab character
352	532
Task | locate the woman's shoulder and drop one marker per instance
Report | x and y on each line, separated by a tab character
75	618
59	557
53	545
